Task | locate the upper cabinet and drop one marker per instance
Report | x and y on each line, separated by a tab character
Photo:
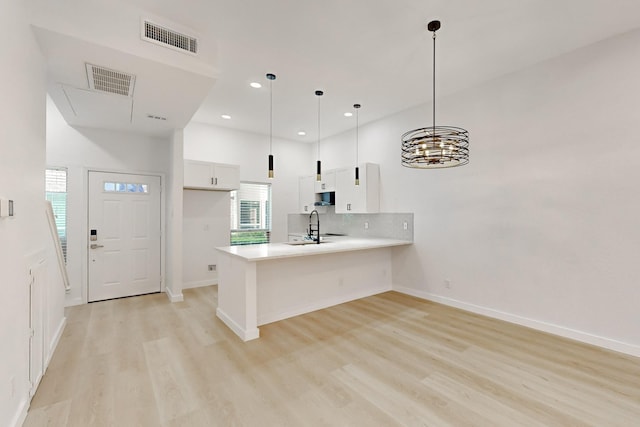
328	182
363	198
307	196
211	176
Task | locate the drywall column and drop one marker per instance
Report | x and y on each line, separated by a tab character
22	164
173	281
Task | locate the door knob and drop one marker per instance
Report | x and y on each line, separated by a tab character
96	246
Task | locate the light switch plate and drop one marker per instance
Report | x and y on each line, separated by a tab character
4	208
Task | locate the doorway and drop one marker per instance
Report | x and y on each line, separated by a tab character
124	223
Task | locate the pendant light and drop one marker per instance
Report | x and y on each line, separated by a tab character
436	146
357	107
271	78
319	93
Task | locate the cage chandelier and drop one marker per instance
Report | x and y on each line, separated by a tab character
436	146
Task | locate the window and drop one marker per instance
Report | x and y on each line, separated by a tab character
125	187
251	214
56	193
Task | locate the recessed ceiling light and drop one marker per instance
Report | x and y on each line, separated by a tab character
348	114
255	85
226	116
302	133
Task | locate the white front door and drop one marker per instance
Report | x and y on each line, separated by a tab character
124	235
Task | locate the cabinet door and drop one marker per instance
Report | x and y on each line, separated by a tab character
197	174
346	190
328	182
369	201
226	177
306	194
363	198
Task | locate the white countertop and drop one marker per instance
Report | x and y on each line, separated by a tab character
330	245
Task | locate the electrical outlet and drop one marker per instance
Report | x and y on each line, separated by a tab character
447	283
211	267
366	225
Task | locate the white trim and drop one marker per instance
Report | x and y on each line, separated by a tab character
54	342
274	317
585	337
245	335
21	414
174	297
199	284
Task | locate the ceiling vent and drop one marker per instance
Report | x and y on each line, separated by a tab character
155	117
111	81
160	35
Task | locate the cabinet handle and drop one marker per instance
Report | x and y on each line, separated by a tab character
216	181
348	206
211	181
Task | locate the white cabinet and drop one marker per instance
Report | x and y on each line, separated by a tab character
328	182
211	176
306	193
363	198
226	177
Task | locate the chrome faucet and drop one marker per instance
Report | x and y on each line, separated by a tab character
317	226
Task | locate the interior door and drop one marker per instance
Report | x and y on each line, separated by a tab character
124	235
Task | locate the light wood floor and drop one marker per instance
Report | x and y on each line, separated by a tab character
387	360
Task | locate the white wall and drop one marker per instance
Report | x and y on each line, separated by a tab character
80	150
251	151
206	219
541	227
22	164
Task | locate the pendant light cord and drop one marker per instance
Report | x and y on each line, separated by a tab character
270	116
318	144
357	139
434	83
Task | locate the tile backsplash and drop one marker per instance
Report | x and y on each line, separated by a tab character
388	225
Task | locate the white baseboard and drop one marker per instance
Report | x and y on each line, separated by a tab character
274	317
622	347
244	334
70	302
55	341
198	284
174	297
21	414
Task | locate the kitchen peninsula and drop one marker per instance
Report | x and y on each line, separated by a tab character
260	284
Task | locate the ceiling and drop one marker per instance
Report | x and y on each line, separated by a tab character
376	53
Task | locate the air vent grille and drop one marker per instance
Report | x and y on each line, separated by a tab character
167	37
111	81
